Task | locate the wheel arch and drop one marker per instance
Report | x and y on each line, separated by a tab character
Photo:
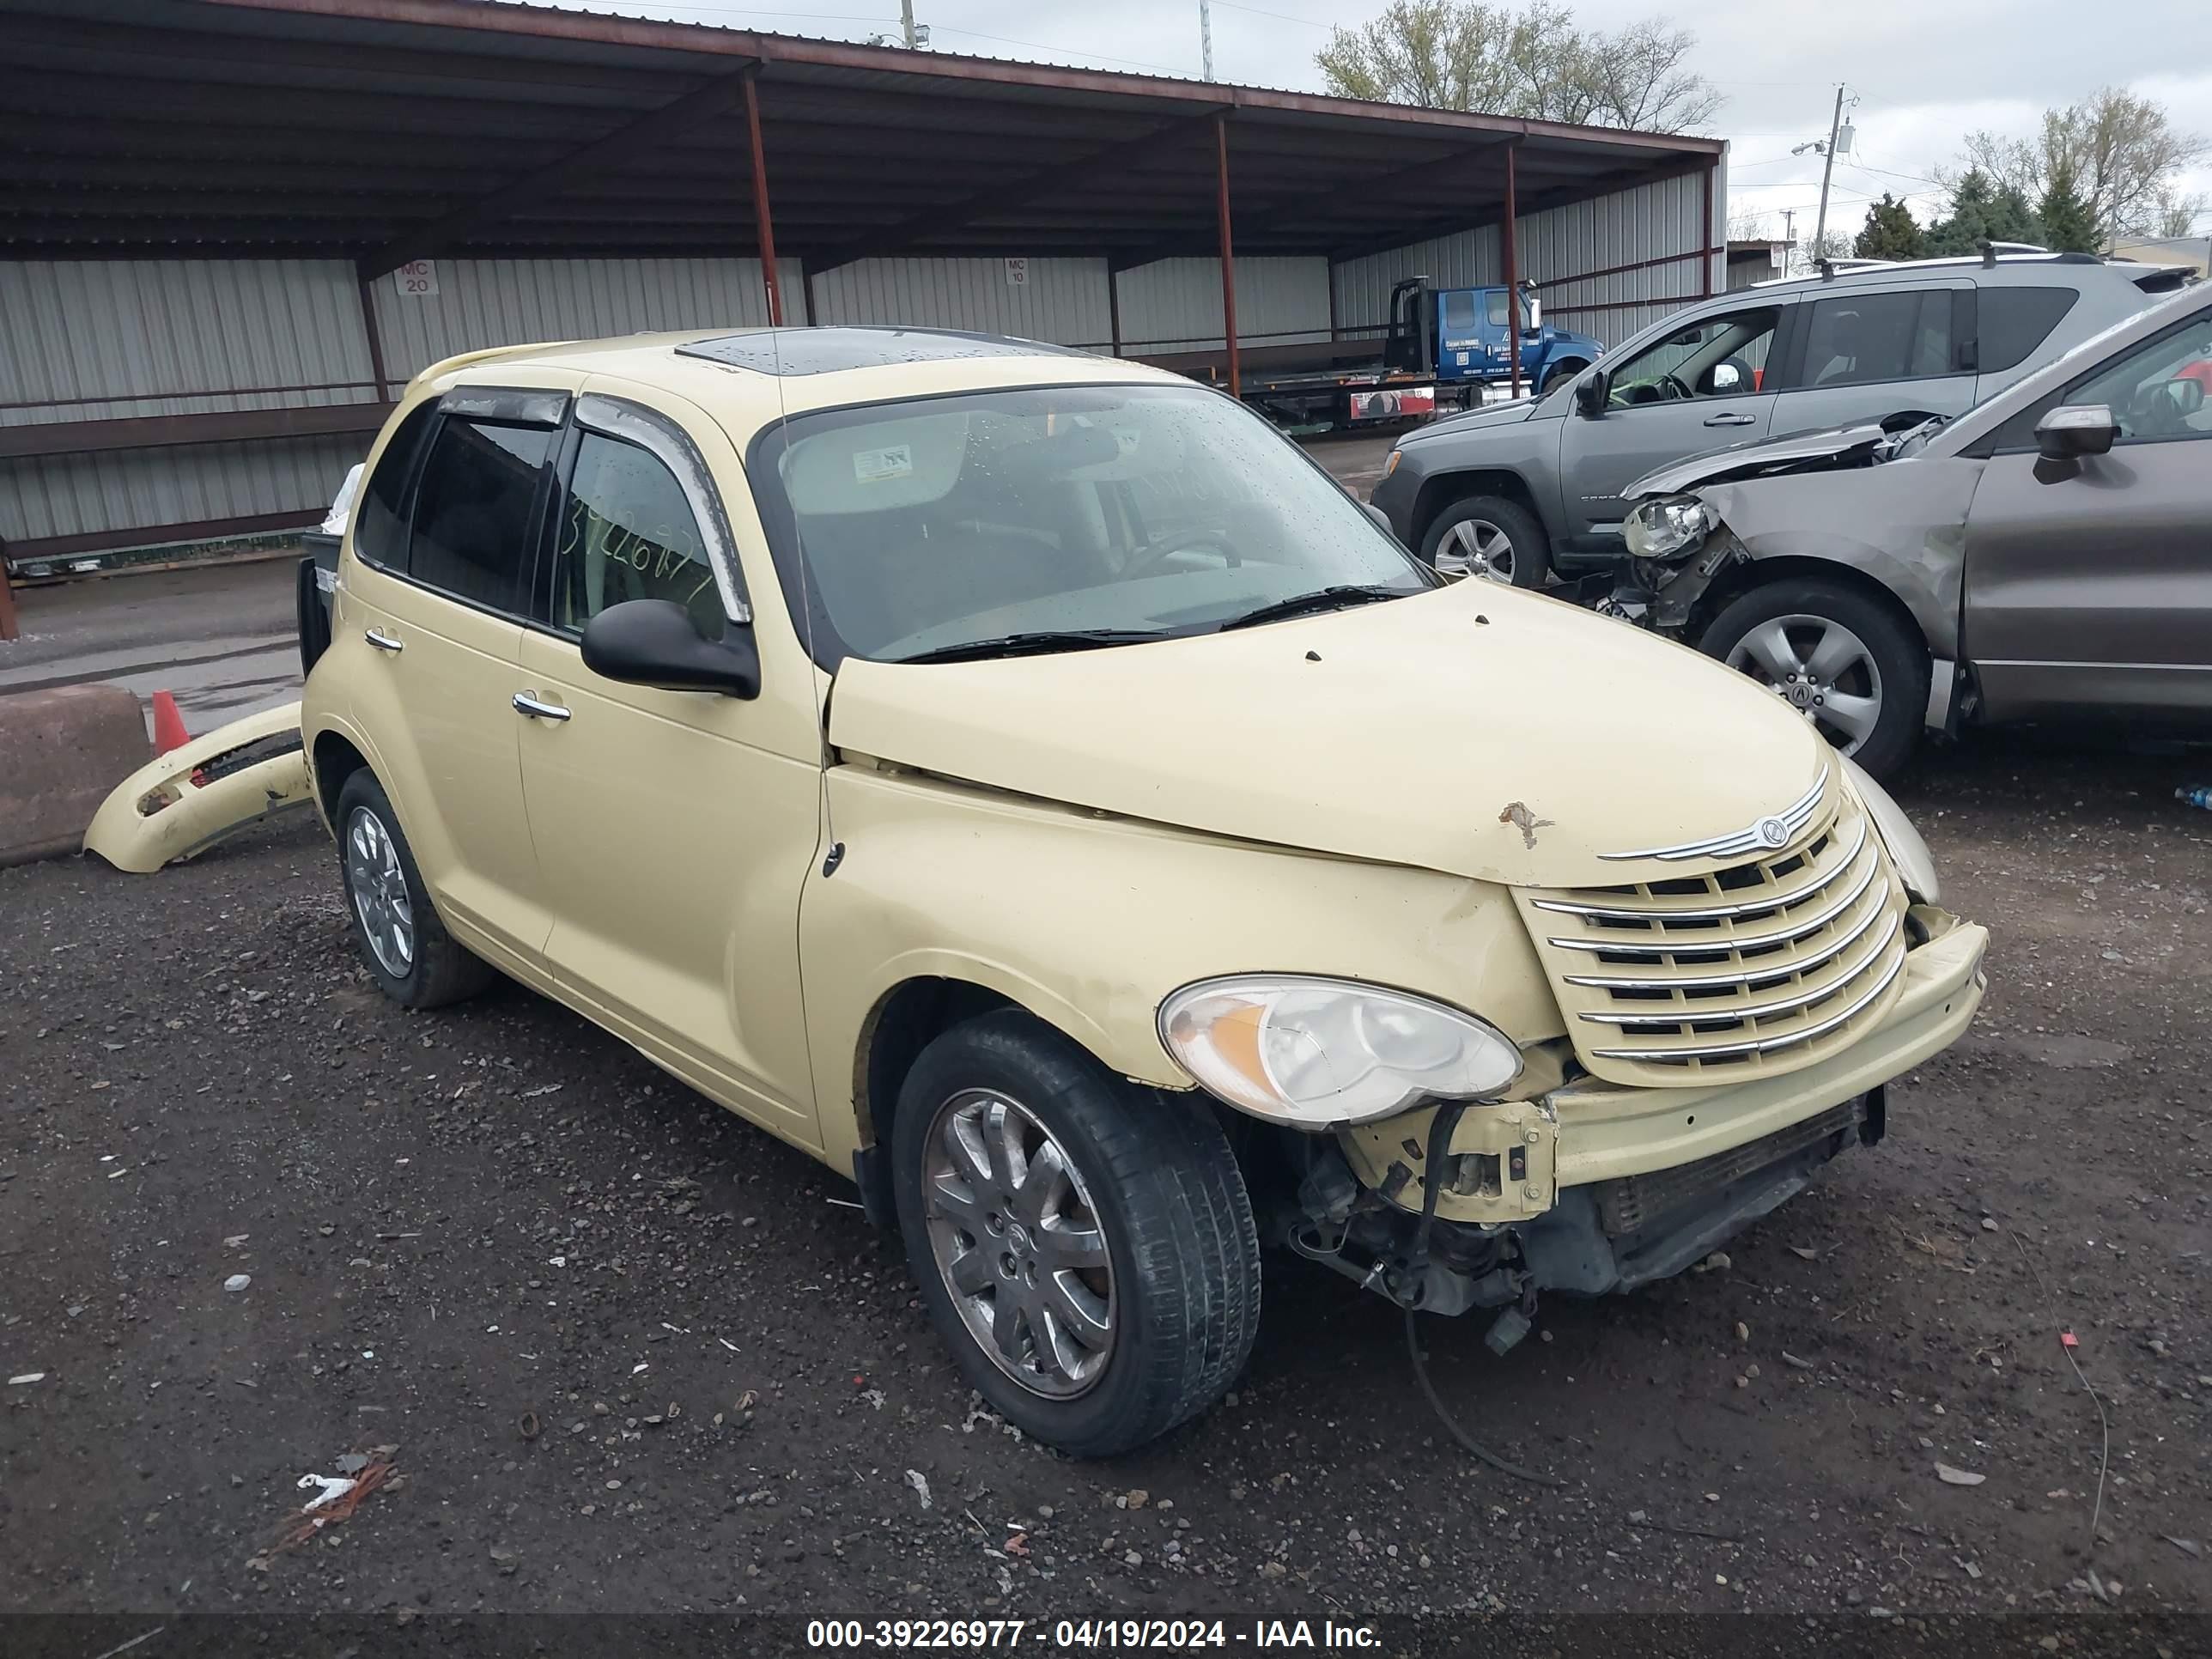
1438	494
334	758
1737	580
903	1021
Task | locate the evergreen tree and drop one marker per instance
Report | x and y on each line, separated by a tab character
2068	226
1983	210
1890	232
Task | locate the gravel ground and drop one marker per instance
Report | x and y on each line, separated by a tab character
635	1355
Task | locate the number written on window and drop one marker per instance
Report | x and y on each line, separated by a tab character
627	533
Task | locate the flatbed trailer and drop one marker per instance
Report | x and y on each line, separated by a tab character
1441	350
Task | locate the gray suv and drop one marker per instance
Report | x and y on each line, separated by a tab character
1521	491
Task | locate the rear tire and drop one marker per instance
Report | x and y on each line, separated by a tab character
413	959
1862	674
1491	537
1097	1308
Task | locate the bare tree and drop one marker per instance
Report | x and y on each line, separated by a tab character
2176	215
1751	225
2123	151
1534	63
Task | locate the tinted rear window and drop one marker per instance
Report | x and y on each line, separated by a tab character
380	530
473	510
2014	321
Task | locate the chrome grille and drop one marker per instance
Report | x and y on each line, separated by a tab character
1750	969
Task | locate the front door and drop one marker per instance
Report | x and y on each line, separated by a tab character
2089	582
435	612
674	830
1699	389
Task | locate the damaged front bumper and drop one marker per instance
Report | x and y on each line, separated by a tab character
1588	1187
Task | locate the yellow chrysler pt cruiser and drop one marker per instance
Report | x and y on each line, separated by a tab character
1027	783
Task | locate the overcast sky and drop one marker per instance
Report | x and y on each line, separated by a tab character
1924	71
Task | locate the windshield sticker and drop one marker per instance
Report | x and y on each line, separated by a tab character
878	465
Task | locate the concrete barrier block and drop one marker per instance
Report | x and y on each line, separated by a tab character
61	752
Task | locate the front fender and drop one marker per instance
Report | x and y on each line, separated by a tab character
1903	524
1089	920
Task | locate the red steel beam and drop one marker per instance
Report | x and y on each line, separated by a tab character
764	221
9	628
647	132
199	530
544	23
169	431
1512	275
1705	240
1228	254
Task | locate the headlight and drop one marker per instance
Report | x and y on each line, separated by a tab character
1390	462
1658	529
1915	866
1317	1053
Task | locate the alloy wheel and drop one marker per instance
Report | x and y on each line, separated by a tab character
1821	669
378	886
1476	547
1018	1244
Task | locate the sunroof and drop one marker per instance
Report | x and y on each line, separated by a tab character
825	350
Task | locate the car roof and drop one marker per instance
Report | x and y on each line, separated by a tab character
747	378
2007	269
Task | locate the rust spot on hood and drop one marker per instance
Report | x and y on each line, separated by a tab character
1518	815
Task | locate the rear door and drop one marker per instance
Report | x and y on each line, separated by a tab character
1867	354
438	625
2089	583
1702	387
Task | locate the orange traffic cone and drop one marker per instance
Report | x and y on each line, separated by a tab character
168	725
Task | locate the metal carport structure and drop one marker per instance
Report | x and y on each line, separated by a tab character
378	132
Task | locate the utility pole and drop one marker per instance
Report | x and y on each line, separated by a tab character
1205	38
906	22
1827	171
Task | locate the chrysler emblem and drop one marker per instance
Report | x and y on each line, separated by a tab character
1773	831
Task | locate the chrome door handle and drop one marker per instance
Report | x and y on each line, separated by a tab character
1733	420
532	707
384	641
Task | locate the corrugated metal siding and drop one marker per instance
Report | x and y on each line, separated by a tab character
1626	227
1175	305
1063	302
139	333
494	303
72	495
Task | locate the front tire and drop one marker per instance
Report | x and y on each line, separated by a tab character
1559	374
1489	537
413	959
1085	1246
1841	658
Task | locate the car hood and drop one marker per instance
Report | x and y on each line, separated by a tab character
1473	730
1511	412
1797	451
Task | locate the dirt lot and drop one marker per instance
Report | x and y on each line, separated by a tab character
635	1356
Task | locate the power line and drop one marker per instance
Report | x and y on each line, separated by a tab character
1064	51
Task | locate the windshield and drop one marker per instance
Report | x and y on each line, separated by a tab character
1133	511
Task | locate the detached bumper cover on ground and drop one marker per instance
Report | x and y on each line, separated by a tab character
184	802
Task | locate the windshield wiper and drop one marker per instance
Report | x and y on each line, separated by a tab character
1322	599
1031	644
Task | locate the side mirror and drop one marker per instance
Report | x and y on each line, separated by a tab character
1532	309
654	642
2073	431
1725	378
1591	393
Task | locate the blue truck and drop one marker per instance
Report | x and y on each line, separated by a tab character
1441	349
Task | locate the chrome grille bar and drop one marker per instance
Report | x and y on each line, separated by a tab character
1763	1045
1718	943
1796	816
1713	912
1713	1013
